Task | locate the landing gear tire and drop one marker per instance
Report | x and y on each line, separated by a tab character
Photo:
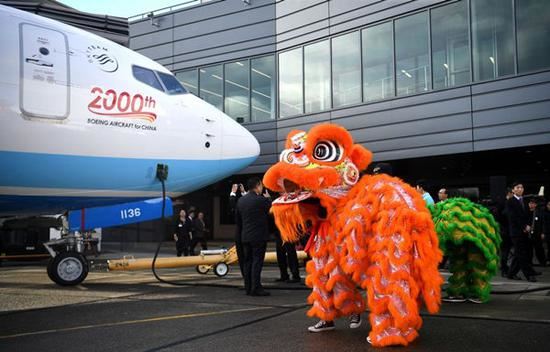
203	269
68	268
221	269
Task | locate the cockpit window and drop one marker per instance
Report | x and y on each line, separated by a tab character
146	76
172	85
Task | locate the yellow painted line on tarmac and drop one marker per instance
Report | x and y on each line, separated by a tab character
130	322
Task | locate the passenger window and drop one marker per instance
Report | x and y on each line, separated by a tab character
172	85
146	76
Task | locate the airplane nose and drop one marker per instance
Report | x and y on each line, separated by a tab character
238	143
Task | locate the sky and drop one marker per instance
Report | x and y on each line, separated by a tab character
121	8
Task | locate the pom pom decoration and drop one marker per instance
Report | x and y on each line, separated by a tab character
374	233
469	237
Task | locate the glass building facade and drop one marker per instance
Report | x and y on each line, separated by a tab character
452	44
244	89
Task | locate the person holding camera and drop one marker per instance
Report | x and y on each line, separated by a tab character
252	218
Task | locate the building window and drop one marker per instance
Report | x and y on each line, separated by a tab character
533	29
317	76
492	38
237	92
412	54
211	85
450	45
262	73
346	69
190	80
378	62
291	95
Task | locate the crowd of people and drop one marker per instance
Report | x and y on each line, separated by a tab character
189	231
524	229
254	226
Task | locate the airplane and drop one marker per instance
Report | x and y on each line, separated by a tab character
85	122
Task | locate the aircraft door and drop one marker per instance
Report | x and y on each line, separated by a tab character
44	72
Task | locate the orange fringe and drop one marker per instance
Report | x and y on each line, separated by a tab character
289	221
380	237
381	244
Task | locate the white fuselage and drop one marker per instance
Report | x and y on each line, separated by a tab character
84	121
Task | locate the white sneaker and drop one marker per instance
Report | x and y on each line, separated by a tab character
354	321
322	326
475	300
454	299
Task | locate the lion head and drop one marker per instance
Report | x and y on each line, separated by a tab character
314	172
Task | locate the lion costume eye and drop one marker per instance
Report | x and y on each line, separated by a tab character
327	151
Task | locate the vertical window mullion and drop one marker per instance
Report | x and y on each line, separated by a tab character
394	60
249	89
361	64
470	40
303	81
331	75
275	97
430	54
223	87
515	32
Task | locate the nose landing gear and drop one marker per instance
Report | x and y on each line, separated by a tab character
68	268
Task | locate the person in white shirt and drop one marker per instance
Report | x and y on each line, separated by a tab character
421	188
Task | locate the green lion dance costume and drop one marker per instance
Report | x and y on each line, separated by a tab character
469	237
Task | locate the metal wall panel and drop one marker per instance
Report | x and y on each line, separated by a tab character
152	39
236	35
233	55
213	32
301	21
444	149
349	14
507	112
215	52
511	112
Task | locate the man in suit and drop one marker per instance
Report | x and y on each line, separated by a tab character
519	229
252	218
287	258
233	205
182	234
506	244
546	229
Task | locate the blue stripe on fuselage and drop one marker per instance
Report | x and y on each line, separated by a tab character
36	170
34	205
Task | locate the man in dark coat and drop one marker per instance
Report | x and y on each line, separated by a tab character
519	229
182	234
252	218
233	205
506	244
287	258
546	229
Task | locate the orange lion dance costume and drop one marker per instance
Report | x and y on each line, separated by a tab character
372	231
